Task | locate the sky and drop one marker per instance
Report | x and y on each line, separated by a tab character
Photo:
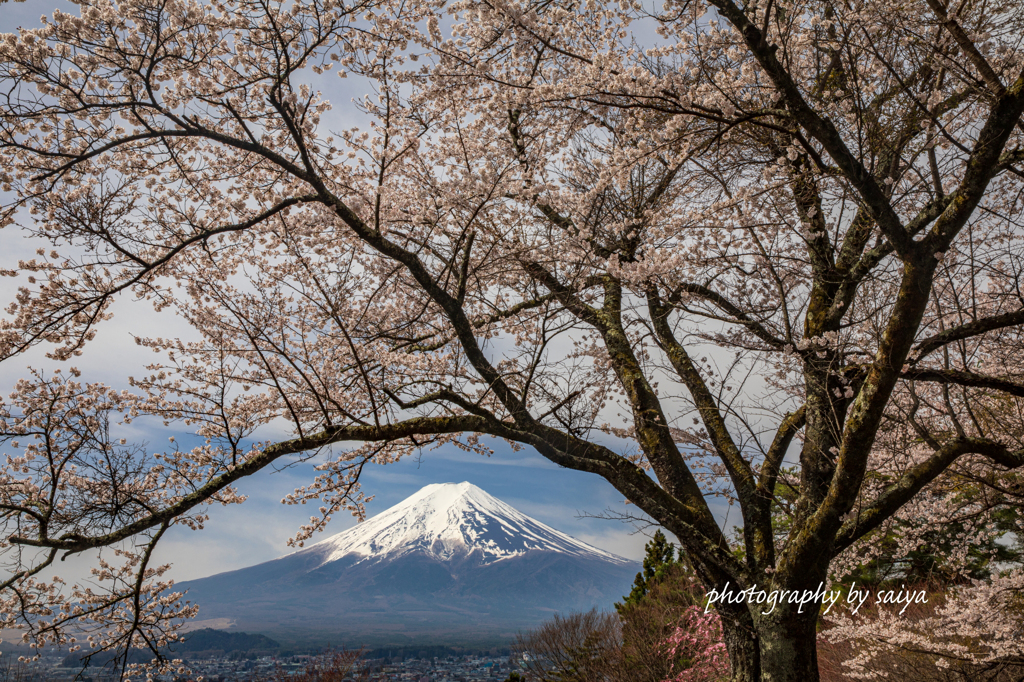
258	530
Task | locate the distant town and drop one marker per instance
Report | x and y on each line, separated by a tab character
236	668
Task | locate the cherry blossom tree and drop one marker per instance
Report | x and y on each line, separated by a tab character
699	639
680	248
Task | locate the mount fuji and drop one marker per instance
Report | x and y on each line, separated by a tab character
449	561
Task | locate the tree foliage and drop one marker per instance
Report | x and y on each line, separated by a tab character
665	635
578	647
662	635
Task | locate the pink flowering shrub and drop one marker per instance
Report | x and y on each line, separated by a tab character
698	641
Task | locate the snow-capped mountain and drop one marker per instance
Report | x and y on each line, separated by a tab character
446	520
448	561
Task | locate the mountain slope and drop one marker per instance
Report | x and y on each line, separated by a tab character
448	561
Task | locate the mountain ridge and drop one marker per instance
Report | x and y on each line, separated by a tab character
450	558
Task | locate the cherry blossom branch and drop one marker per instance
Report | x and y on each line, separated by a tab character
773	458
56	323
964	378
823	130
417	345
966	331
874	513
74	542
969	48
756	516
734	311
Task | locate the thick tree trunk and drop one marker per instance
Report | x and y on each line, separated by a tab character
780	647
741	643
788	644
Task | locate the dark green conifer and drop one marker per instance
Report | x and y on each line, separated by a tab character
661	556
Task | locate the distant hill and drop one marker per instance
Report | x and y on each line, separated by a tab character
450	563
205	640
209	639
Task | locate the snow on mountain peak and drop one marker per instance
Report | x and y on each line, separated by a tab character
445	520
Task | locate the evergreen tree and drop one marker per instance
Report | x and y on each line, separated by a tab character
661	556
662	600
